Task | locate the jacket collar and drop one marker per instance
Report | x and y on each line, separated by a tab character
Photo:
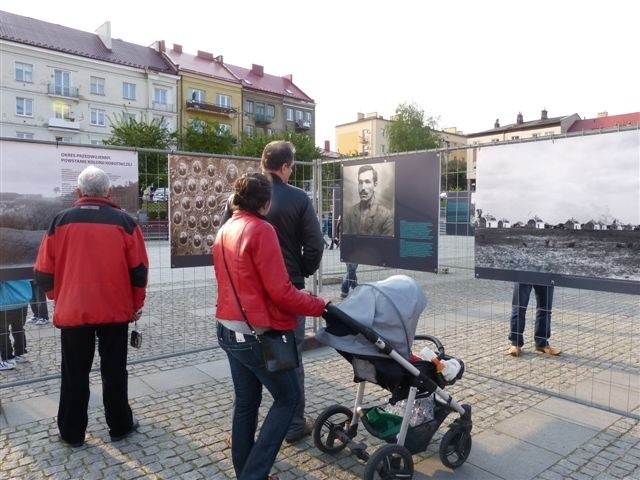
96	201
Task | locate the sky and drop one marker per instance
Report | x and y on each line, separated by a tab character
464	63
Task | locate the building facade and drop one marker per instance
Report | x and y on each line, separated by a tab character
66	85
367	136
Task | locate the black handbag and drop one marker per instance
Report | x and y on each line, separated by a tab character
279	349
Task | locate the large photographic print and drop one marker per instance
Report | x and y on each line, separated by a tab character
37	180
563	211
199	189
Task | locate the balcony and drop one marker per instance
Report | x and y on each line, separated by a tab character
262	119
163	107
63	124
210	107
303	124
62	91
363	139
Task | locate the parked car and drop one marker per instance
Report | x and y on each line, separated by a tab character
161	195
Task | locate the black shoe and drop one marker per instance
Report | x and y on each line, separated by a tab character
71	444
134	428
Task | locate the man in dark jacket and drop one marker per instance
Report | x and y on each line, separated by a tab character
300	237
93	262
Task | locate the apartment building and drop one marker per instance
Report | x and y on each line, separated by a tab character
367	135
66	85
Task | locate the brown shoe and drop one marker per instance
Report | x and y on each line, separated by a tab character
549	350
228	440
515	351
308	428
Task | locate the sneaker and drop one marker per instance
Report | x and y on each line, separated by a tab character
7	365
19	359
32	319
42	321
343	295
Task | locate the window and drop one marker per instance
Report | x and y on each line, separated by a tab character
271	111
260	109
161	121
63	139
248	129
24	135
128	91
382	132
381	148
129	116
225	127
197	125
298	115
98	117
289	114
24	72
62	83
62	110
24	107
96	142
515	137
196	95
307	117
223	100
248	106
269	131
97	85
160	95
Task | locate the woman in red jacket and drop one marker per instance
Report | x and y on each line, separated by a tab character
247	257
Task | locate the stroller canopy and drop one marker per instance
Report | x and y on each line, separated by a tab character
390	307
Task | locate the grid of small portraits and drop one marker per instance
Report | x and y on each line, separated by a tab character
199	189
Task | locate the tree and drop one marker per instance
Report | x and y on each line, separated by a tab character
128	132
453	173
409	131
206	137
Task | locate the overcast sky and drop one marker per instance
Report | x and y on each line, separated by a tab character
465	63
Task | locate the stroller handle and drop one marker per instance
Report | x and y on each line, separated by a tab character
433	340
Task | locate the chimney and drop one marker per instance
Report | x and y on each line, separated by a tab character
519	118
177	48
497	123
257	70
543	114
603	114
104	34
360	116
327	146
161	46
288	77
205	55
219	59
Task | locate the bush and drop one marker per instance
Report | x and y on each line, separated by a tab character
153	215
163	214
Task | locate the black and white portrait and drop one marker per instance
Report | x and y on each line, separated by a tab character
369	199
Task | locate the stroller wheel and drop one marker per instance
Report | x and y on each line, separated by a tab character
455	447
389	462
330	432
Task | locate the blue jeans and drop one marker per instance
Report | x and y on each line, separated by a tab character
544	302
253	457
350	280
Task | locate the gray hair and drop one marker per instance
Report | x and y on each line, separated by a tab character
94	182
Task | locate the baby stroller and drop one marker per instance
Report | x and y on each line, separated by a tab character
374	329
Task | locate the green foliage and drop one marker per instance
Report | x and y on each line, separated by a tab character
252	146
129	132
409	131
453	173
206	137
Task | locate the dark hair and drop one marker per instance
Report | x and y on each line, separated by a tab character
276	154
251	192
366	168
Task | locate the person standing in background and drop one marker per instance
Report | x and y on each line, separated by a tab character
93	263
38	306
542	329
15	296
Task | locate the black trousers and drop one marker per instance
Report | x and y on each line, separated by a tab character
12	323
78	347
39	302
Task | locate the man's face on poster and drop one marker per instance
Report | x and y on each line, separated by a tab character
366	186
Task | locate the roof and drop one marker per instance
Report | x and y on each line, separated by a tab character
198	64
538	123
37	33
256	79
612	121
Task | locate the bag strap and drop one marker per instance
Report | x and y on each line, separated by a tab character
226	266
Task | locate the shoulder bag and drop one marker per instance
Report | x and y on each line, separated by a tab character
279	348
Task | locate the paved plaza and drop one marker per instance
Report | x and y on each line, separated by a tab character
534	416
